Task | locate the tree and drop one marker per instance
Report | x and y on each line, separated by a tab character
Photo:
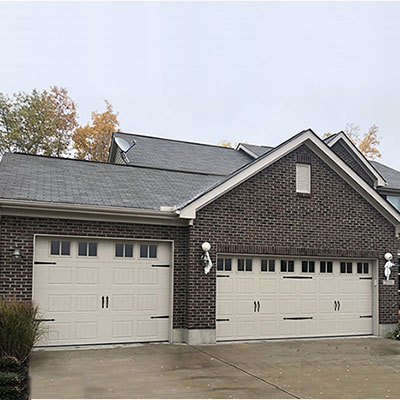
92	141
38	122
225	143
367	143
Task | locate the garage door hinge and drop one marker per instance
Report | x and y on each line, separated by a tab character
45	262
222	319
296	318
160	265
160	316
297	277
45	320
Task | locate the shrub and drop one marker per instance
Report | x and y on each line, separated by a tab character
14	379
395	333
19	328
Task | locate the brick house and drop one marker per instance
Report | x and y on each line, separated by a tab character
112	252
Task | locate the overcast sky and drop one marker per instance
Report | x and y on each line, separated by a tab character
257	72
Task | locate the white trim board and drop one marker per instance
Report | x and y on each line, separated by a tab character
309	138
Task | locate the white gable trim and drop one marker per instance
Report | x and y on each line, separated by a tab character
243	147
317	145
379	180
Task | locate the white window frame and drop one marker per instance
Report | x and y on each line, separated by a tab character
300	167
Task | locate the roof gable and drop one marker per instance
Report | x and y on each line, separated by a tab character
357	156
309	138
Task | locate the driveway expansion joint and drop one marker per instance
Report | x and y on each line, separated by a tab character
246	372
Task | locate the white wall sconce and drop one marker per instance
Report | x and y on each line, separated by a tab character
207	263
388	267
16	255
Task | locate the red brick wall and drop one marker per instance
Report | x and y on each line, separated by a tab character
16	278
265	215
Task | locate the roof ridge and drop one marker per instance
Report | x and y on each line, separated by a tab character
116	165
175	140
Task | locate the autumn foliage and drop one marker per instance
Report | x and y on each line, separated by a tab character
92	141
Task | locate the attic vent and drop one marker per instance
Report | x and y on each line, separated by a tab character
303	178
303	158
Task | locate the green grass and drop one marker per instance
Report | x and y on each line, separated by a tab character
19	328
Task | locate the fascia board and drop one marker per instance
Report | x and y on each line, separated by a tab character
34	208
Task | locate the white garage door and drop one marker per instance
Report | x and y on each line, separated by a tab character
102	291
267	297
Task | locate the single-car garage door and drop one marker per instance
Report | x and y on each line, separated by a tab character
269	297
93	291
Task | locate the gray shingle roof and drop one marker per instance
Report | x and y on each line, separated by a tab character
391	175
180	155
48	179
257	149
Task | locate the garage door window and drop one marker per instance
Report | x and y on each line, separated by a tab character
60	248
287	266
362	268
267	265
87	249
244	265
308	266
224	264
124	250
346	267
326	267
148	251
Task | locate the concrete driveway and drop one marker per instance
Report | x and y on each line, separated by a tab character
330	368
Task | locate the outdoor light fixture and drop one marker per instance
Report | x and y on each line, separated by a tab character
207	263
17	256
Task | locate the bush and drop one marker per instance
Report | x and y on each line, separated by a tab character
14	379
395	333
19	329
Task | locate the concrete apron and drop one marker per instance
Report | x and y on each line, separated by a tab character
334	368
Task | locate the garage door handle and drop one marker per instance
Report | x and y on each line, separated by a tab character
255	306
107	302
335	305
102	301
338	305
258	304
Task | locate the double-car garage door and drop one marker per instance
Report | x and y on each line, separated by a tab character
270	297
102	291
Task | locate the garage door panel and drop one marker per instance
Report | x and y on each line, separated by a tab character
268	285
74	292
309	306
87	302
287	286
268	328
87	276
287	306
122	302
123	329
245	285
308	286
123	276
245	329
60	275
59	303
225	307
269	303
245	307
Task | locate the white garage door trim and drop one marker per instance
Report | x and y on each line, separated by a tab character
231	302
170	279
